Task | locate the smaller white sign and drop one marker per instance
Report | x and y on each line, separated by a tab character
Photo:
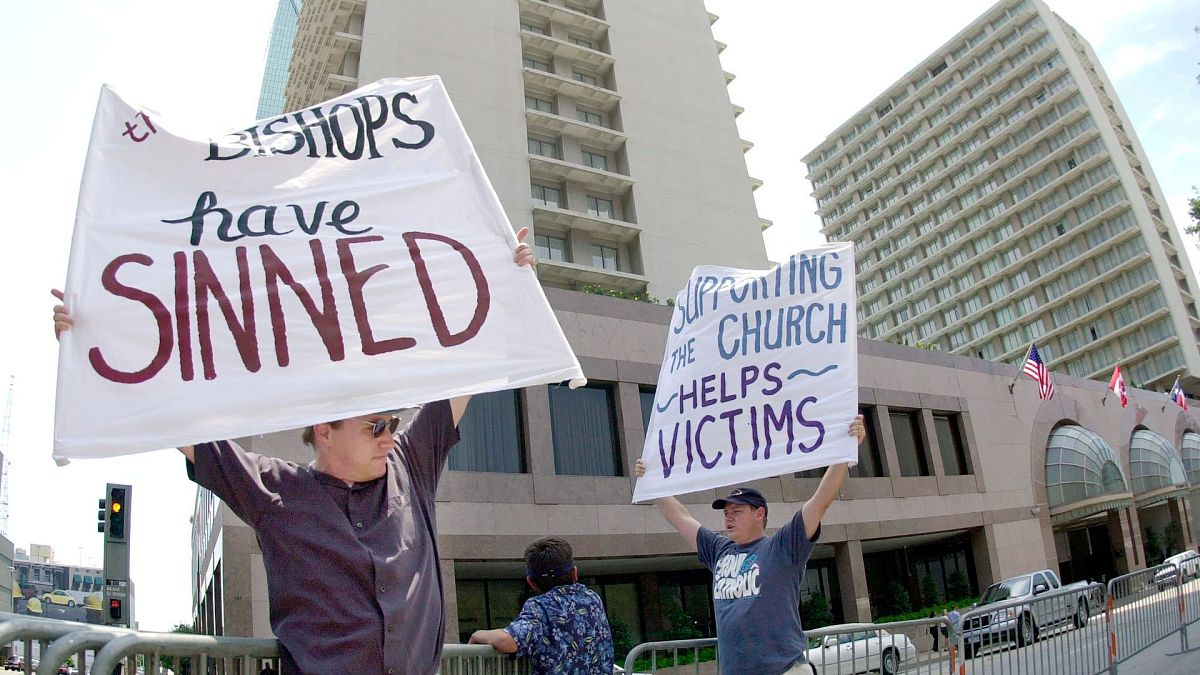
760	376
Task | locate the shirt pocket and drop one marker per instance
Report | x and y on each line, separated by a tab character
405	524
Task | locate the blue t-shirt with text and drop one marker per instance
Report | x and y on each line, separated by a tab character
756	593
564	630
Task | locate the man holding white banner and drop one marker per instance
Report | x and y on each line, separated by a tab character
759	368
335	262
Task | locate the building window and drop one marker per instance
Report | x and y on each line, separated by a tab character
596	160
604	257
580	40
955	460
870	464
544	148
584	77
551	248
488	604
537	64
540	104
589	116
532	27
599	207
490	435
583	423
910	444
646	397
546	195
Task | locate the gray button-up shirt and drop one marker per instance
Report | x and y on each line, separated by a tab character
352	570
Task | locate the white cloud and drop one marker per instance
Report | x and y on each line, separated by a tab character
1129	59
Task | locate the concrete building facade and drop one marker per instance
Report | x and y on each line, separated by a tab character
997	195
960	476
604	126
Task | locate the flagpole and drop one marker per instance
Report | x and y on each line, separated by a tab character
1020	368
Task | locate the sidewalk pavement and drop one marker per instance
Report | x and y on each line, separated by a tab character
1163	657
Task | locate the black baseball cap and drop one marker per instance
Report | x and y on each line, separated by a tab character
742	495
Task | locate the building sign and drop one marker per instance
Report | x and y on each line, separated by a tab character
339	260
760	376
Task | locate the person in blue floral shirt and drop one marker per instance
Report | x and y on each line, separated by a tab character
564	628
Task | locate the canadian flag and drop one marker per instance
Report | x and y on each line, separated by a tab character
1117	385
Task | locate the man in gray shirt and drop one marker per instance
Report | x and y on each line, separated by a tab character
756	578
349	541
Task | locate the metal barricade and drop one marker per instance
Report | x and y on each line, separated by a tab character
888	648
677	656
480	660
180	653
1051	633
1144	607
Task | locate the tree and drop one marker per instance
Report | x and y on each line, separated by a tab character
958	587
815	613
1173	533
622	638
895	600
184	663
929	591
1153	547
1194	213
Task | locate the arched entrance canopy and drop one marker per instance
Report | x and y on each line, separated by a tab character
1083	475
1155	468
1191	457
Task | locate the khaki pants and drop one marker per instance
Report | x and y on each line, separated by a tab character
799	669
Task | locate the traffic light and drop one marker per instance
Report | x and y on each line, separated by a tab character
117	510
114	610
102	515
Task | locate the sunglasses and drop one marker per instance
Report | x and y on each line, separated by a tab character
390	424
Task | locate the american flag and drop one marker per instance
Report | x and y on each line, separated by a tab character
1036	369
1177	395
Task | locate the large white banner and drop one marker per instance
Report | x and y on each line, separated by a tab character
760	376
335	261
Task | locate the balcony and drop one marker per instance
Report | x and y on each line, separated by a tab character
577	22
558	171
571	274
569	50
765	224
738	110
590	94
552	125
574	220
325	52
755	183
747	146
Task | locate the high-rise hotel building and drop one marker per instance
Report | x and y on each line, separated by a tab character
279	56
997	195
604	125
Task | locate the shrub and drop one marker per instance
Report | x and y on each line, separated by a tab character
815	612
929	590
957	586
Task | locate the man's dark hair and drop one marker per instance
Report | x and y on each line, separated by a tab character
548	563
309	434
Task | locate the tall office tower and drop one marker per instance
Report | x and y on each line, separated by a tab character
279	53
997	195
611	114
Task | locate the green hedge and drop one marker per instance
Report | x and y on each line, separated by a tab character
962	604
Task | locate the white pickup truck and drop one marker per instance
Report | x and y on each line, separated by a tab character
1025	614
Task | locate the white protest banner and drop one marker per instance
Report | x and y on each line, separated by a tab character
339	260
760	376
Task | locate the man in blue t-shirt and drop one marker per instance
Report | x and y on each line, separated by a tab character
562	630
756	578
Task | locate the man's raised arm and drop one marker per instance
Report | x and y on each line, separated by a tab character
675	513
814	509
63	322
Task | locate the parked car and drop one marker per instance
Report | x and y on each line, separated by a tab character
1023	624
14	663
1186	563
59	597
861	648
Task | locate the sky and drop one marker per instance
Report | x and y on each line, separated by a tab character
802	69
